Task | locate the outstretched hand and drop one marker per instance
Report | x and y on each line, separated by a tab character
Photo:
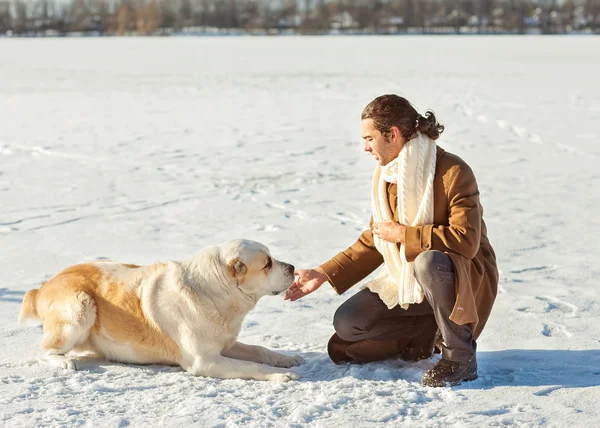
307	281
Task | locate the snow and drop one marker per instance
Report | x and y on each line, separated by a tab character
145	149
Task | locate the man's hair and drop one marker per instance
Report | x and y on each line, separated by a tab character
393	110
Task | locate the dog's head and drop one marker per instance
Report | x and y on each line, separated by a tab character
255	272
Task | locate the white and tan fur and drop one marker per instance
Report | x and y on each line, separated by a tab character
186	313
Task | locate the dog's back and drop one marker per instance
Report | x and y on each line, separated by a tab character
95	307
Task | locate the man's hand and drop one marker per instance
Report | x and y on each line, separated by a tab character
390	231
308	281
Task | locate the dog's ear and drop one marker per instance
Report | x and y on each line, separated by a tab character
237	269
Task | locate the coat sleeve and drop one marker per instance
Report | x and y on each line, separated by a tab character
462	235
354	264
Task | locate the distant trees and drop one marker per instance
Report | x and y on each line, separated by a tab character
149	17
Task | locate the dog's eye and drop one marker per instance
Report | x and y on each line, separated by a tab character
269	264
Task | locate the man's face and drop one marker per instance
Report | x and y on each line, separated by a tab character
384	148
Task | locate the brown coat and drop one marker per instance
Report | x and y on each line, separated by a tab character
458	230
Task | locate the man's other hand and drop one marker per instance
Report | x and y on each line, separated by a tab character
390	231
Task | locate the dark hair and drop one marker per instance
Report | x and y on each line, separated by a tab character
392	110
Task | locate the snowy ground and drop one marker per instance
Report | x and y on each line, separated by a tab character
149	149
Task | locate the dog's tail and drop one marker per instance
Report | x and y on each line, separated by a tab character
28	307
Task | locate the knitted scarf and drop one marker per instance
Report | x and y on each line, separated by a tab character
413	170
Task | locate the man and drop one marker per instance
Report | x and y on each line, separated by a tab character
439	276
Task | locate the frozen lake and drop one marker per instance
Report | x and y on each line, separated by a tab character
145	149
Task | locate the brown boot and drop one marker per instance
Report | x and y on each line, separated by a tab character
363	351
450	373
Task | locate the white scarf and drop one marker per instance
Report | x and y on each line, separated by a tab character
413	170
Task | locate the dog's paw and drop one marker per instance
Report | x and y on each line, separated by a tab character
63	362
71	364
288	361
283	377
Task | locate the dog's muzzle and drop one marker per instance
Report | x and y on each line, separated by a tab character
289	271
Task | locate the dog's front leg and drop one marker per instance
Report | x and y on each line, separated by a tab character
227	368
258	354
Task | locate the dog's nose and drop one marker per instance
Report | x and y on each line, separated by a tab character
291	268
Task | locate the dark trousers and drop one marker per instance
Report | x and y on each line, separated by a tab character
365	316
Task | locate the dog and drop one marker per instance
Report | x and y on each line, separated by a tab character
187	313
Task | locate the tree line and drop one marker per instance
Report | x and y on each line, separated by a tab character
156	17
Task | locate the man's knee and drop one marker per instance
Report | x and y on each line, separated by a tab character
432	268
345	323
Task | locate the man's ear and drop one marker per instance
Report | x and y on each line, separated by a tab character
395	133
237	269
